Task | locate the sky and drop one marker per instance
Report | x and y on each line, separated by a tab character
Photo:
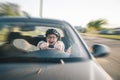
76	12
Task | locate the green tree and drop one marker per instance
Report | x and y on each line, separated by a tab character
96	24
9	9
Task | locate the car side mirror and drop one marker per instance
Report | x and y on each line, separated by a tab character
100	50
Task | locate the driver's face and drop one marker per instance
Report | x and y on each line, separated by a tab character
51	39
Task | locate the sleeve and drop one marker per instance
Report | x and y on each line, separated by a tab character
42	44
59	45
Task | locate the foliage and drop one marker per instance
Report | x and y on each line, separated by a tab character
11	9
91	30
97	24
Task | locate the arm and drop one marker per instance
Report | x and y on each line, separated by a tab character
59	45
43	45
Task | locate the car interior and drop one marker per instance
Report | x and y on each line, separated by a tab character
25	43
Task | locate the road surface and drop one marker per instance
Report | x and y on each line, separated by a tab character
111	63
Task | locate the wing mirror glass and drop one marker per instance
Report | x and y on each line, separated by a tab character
100	50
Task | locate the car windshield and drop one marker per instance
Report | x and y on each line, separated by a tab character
21	39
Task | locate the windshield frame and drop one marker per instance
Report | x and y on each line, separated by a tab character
63	25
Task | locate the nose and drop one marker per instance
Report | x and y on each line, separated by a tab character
51	40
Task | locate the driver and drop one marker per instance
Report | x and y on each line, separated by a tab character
52	41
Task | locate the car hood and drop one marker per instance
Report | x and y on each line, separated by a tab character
85	70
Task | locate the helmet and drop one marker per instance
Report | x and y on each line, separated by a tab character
52	31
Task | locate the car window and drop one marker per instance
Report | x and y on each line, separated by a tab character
20	38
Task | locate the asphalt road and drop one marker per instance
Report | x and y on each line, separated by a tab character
111	63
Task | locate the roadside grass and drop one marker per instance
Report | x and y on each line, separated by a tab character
111	36
103	35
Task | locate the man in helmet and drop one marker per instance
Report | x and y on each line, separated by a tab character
52	41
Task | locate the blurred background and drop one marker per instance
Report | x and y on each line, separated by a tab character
98	21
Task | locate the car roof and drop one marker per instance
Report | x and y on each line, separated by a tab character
31	19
